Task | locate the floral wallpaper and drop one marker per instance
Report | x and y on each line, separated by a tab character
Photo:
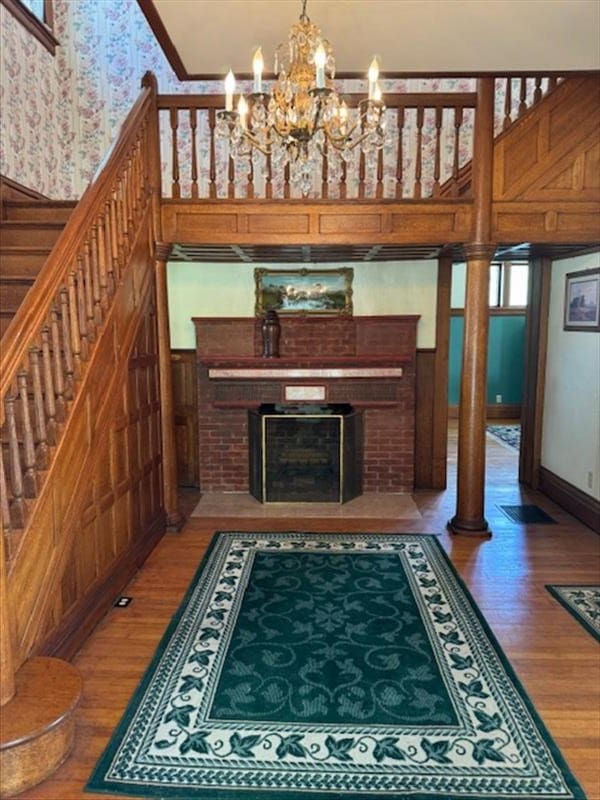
60	115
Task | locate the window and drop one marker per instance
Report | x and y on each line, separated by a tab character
37	17
508	284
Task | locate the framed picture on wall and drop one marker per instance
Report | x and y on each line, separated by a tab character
304	291
582	300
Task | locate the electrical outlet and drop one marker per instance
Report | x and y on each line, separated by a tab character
498	398
590	480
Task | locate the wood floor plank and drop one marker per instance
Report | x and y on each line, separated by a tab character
557	661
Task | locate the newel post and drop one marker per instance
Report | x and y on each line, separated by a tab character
7	663
470	492
169	456
152	154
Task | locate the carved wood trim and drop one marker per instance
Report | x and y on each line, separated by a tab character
42	32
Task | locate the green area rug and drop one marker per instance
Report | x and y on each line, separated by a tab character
309	666
584	604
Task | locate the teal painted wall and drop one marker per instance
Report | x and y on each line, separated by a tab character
505	358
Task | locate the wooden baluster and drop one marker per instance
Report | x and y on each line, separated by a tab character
250	184
81	312
193	127
537	92
379	188
49	396
41	448
66	343
286	181
5	508
85	263
419	154
59	383
96	292
523	97
269	180
122	217
129	181
507	104
552	82
212	191
17	506
102	264
438	147
399	158
110	251
75	337
361	174
231	177
458	119
29	476
324	173
344	180
174	118
114	246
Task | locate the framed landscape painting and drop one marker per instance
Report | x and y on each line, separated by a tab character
304	291
582	300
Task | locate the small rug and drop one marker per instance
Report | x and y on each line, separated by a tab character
527	515
506	434
584	604
314	666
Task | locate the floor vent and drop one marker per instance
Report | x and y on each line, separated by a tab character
527	515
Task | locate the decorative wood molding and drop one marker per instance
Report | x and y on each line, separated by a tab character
32	24
11	190
162	37
521	311
572	499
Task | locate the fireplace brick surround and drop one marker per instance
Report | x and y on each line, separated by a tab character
381	350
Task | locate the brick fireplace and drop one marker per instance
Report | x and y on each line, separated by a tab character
365	362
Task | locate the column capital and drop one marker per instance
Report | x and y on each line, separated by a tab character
162	251
476	251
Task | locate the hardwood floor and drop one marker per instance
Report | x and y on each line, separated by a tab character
557	661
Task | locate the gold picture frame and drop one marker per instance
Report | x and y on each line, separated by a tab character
322	292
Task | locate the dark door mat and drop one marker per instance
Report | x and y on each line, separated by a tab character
527	515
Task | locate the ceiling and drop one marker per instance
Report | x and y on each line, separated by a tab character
204	38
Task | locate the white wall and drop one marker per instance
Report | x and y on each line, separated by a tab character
571	430
227	290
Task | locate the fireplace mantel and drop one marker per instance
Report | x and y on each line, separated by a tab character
306	368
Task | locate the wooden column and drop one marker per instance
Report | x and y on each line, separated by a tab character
169	457
469	518
7	666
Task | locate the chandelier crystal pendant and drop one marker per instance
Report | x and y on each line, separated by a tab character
303	117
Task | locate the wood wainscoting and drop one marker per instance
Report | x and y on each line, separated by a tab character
185	413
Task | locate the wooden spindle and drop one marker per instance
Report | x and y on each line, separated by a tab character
29	476
230	176
438	150
537	92
102	264
122	218
76	345
344	180
379	187
419	154
507	104
129	183
17	506
212	189
95	265
552	82
458	120
361	174
269	179
41	446
59	382
4	506
86	279
66	344
400	155
523	97
174	119
111	247
324	173
194	165
250	184
286	181
49	396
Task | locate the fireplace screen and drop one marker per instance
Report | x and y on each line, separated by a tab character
305	454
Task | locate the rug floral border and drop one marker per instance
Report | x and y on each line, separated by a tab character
576	613
155	788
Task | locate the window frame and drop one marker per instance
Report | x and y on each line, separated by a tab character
42	30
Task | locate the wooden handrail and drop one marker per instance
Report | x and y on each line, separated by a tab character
25	326
396	100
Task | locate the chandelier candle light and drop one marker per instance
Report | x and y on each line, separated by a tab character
303	114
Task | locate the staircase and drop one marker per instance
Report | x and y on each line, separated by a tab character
28	233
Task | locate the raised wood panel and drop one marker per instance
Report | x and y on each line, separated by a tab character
306	222
550	222
185	410
552	154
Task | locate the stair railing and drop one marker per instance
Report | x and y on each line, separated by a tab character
52	335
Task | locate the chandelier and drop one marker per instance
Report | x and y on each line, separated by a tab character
302	118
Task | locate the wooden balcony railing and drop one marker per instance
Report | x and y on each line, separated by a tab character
429	145
52	336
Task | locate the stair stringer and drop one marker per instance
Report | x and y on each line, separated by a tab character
46	543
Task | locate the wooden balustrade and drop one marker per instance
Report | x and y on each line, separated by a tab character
53	334
519	95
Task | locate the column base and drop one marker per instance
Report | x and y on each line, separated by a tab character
469	527
175	522
38	723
